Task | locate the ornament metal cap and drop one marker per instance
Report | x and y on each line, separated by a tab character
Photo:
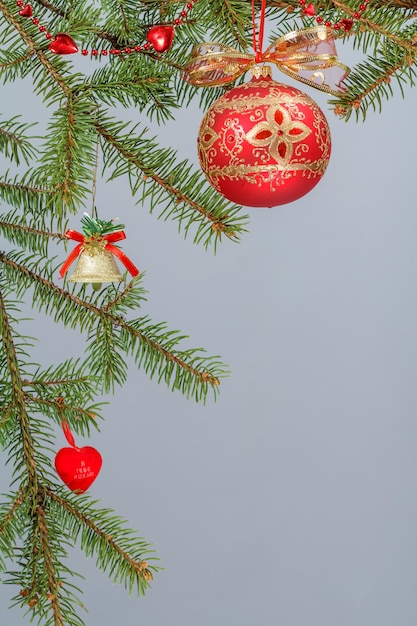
261	71
99	267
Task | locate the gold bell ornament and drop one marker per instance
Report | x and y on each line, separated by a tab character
96	253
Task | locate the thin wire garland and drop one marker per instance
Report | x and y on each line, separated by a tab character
26	10
62	43
343	24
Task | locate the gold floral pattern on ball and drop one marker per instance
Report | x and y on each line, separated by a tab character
278	133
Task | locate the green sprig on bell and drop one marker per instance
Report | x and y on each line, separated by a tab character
94	226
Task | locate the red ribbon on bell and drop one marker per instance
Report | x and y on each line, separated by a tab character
103	241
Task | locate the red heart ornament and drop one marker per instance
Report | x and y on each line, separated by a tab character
161	37
309	10
63	44
26	11
347	24
78	467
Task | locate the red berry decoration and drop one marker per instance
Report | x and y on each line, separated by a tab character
63	44
263	143
77	467
161	37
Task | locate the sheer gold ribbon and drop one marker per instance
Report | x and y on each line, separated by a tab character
308	55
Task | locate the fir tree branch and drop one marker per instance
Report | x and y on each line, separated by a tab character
61	407
42	574
69	180
54	9
25	189
370	82
68	154
8	515
59	80
14	226
385	78
204	378
19	396
233	19
48	563
66	159
40	523
69	381
30	198
13	141
219	224
17	61
140	164
118	298
29	229
6	414
138	569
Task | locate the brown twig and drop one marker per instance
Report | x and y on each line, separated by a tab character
33	231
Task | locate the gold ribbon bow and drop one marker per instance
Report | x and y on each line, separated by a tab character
308	55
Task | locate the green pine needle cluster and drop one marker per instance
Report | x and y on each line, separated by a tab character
50	176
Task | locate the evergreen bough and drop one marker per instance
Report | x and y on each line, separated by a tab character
51	177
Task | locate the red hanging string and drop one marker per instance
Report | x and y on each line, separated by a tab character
258	38
67	432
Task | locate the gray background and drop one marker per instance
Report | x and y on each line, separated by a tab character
292	500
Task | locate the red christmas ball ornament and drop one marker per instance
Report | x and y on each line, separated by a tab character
263	143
